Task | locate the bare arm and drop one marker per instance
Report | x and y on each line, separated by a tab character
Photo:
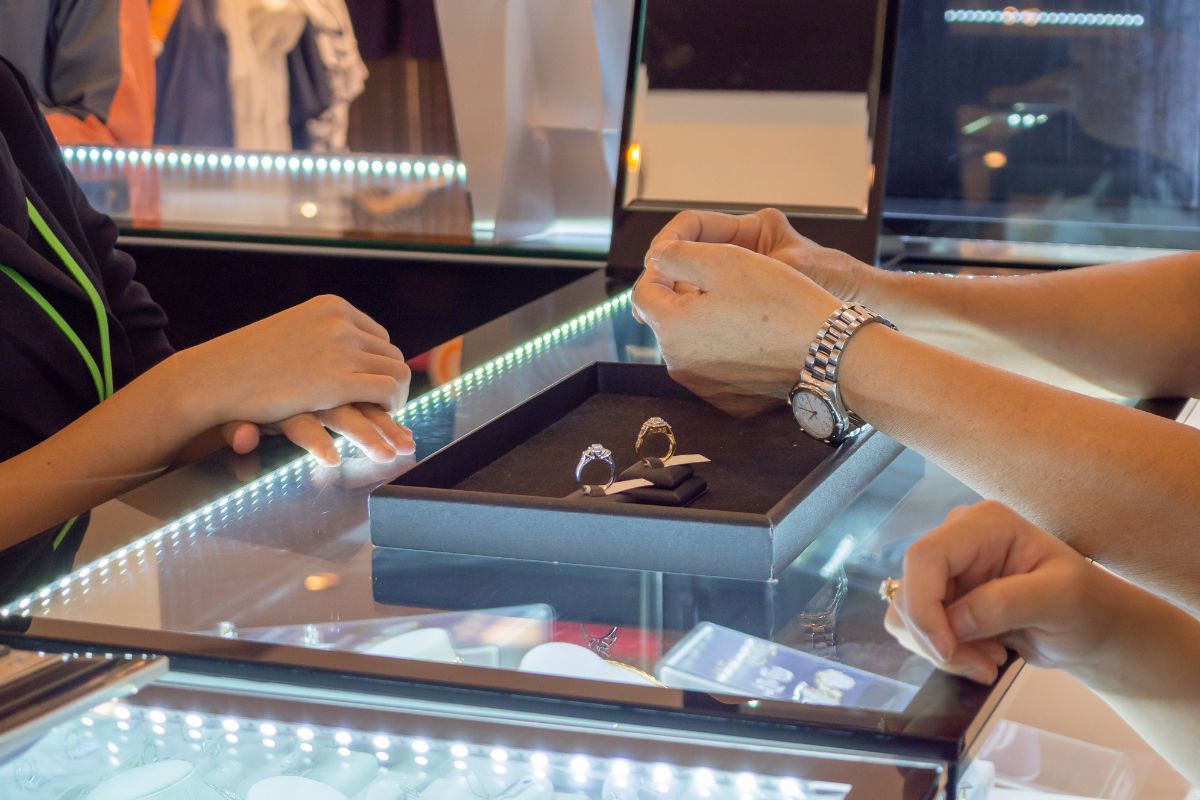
1132	328
1117	484
324	356
986	579
122	442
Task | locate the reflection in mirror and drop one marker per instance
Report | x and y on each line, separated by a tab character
1075	124
423	121
753	103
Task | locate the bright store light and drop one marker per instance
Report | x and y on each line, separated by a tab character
459	750
1033	17
293	163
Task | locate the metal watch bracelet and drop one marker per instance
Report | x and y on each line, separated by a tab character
825	352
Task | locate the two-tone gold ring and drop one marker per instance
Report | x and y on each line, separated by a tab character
655	426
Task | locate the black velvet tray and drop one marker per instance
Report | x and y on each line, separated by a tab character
501	490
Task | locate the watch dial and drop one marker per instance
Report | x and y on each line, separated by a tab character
813	414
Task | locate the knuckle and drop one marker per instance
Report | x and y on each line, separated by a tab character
772	216
918	552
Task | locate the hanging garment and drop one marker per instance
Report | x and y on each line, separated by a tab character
338	49
309	92
260	34
194	105
90	64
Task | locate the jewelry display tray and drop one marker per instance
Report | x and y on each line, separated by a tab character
501	490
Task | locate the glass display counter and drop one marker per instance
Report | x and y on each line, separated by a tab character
261	568
191	737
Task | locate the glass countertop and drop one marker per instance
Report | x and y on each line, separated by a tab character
184	736
268	561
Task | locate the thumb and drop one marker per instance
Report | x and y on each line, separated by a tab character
242	437
1004	605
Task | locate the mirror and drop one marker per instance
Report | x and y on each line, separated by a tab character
373	123
740	104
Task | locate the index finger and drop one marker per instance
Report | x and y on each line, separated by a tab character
710	227
948	551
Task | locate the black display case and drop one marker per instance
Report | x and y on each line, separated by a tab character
509	490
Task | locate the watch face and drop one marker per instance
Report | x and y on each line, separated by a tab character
814	414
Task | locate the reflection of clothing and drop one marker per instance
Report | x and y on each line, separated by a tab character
260	34
194	107
44	384
347	74
90	63
309	92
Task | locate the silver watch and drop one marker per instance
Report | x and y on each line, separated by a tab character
816	399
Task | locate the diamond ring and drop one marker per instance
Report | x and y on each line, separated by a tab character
596	452
655	426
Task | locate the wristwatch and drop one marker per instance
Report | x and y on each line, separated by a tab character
816	399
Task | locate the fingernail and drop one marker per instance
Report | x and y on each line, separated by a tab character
942	646
962	621
981	674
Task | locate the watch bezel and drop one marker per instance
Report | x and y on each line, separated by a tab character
840	421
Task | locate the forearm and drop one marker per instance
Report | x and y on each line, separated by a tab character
120	443
1147	670
1130	328
1115	483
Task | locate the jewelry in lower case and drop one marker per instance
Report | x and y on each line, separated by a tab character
888	589
599	645
655	426
594	453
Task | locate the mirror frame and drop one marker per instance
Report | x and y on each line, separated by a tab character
857	234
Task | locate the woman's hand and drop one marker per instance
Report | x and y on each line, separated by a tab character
986	580
368	426
320	355
768	232
734	325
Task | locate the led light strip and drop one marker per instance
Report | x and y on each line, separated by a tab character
291	163
1017	120
1032	17
199	728
419	406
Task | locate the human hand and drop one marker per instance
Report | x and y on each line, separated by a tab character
768	232
319	355
366	425
987	579
734	326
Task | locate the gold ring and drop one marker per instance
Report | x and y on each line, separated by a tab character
888	589
655	426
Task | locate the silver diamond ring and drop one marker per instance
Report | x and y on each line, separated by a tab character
596	452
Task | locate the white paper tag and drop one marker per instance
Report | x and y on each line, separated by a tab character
617	488
689	458
624	486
